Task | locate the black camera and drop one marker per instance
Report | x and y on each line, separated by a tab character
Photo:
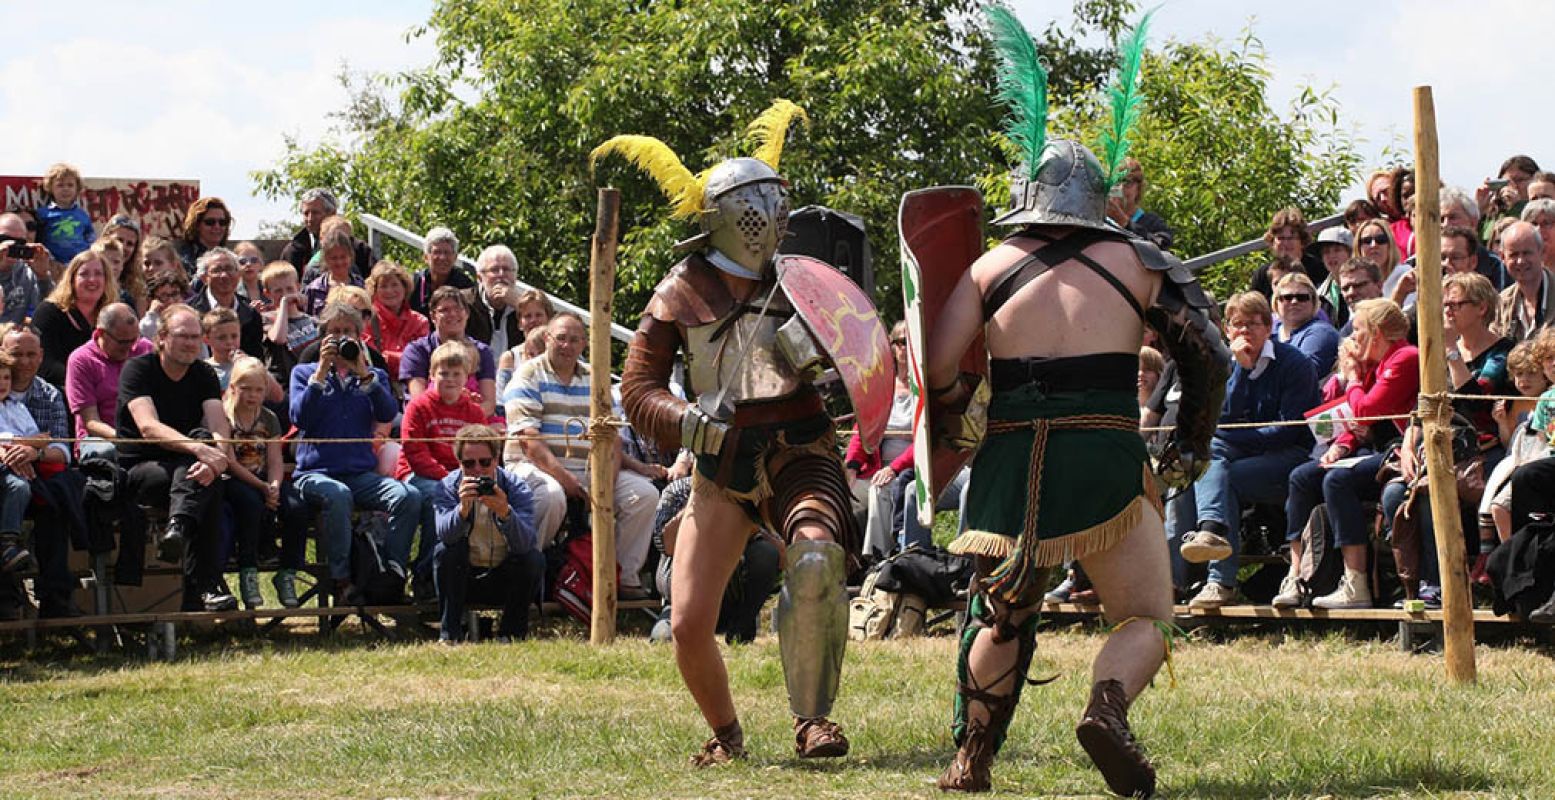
349	349
485	486
19	250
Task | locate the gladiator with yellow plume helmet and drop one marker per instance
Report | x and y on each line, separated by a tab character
764	444
1061	473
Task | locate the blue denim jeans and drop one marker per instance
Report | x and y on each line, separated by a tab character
427	488
1342	489
334	496
1181	517
17	495
954	496
1234	478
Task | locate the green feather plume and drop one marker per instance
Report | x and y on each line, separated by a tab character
1125	96
1022	84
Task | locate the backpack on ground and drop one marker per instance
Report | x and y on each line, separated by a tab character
878	613
378	582
574	585
1321	567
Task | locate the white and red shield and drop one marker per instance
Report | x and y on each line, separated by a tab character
847	329
942	234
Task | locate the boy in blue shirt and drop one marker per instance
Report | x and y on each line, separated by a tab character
64	227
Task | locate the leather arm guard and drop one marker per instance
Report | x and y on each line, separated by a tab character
1181	318
650	406
960	426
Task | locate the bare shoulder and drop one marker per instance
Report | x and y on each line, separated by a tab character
989	266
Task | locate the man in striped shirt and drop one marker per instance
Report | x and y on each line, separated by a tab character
549	395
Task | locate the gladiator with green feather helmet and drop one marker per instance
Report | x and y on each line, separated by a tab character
1060	181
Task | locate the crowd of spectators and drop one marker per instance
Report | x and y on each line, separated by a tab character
246	402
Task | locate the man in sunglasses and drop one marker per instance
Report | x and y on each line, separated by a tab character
486	551
1359	279
18	284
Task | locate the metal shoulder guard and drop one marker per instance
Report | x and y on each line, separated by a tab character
1181	318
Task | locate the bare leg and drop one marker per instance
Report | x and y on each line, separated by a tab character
1503	518
712	537
1134	579
1354	557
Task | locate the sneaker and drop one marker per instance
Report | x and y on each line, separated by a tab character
248	586
285	582
1431	594
1201	546
1213	595
218	600
1289	595
1061	592
1352	593
14	557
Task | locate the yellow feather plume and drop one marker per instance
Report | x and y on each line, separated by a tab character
771	129
657	159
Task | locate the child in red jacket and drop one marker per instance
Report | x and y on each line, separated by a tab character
436	414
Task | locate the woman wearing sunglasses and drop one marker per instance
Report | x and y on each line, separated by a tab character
207	224
1302	325
1374	242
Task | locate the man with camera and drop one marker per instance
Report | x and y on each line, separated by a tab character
486	551
18	284
334	405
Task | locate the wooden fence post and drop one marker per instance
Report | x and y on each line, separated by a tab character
602	464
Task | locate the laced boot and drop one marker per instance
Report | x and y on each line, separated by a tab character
970	770
727	744
1103	732
819	738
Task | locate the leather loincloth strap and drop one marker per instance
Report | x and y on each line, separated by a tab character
1009	579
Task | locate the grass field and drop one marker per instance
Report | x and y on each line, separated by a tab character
1255	716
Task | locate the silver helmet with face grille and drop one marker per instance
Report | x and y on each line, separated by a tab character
744	215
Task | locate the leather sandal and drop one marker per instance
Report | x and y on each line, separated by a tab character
970	770
1104	733
819	738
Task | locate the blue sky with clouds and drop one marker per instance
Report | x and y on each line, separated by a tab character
158	88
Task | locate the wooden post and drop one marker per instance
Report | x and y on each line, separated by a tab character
602	447
1457	611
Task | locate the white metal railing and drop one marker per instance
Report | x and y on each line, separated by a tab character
378	227
1254	245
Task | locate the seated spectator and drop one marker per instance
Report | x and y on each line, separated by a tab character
18	282
221	339
1541	215
1357	212
65	320
20	445
1381	377
337	251
207	224
92	378
441	253
1460	220
1526	305
548	393
1287	239
1301	322
1523	440
1151	366
487	552
219	267
394	323
534	313
65	226
1542	186
1271	382
164	289
755	578
362	259
255	490
129	274
893	459
289	329
316	205
1375	244
1333	248
173	397
440	412
51	539
1399	209
1123	208
1508	200
342	398
494	301
158	256
450	314
1359	280
251	262
1476	354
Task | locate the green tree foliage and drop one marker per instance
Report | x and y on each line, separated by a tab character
897	95
492	139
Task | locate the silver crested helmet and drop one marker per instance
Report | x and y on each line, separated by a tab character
745	213
1069	188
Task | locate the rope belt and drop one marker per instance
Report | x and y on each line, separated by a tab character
1010	578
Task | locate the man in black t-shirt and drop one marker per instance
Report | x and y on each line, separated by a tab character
173	396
